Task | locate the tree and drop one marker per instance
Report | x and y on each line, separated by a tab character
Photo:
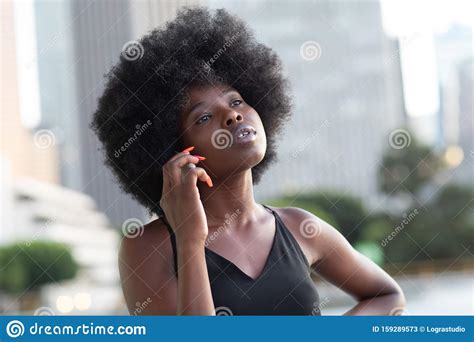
445	230
345	213
23	265
408	167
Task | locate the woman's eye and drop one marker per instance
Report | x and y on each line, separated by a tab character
236	102
200	120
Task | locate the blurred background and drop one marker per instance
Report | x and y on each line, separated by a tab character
380	144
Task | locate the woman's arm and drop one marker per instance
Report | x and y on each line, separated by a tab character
339	263
342	265
194	289
184	214
379	306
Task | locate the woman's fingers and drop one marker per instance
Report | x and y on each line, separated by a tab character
183	160
191	174
172	170
186	151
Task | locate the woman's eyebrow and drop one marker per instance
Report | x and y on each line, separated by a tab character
229	90
189	113
197	105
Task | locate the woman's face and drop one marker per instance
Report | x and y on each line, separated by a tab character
224	129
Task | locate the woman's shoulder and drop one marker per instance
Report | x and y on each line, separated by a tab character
151	241
153	231
295	217
305	227
292	213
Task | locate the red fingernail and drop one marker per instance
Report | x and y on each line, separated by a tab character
209	182
200	157
189	149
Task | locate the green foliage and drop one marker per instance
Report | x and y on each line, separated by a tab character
30	265
440	231
409	168
444	228
284	202
371	250
343	212
376	228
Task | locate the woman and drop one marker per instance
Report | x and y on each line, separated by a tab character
189	122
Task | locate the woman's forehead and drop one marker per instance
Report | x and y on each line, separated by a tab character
209	89
203	92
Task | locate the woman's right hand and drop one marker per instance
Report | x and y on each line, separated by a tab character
180	199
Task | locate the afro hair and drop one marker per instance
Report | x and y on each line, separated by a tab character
137	118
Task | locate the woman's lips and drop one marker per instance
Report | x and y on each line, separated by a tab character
244	133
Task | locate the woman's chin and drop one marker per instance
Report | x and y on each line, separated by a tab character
250	157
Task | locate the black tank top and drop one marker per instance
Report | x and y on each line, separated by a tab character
284	287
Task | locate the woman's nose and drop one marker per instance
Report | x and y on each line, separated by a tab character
232	117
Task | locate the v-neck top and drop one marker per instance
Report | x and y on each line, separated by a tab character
284	287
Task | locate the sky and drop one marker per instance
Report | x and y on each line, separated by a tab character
415	23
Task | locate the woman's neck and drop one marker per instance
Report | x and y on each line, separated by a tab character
230	200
